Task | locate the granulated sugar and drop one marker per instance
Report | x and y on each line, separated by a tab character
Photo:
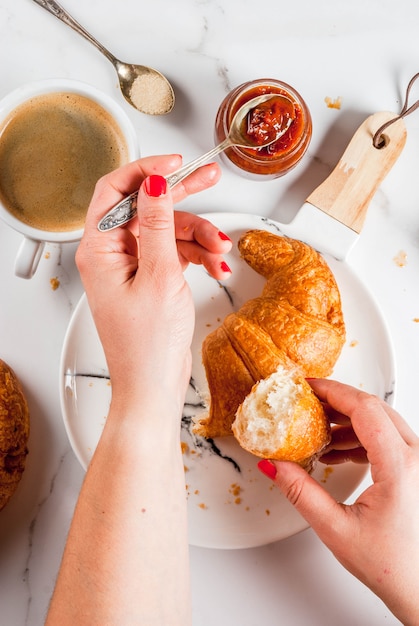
151	94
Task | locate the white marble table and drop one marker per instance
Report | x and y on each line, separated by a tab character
363	52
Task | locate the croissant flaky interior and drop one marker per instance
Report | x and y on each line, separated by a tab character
282	419
296	323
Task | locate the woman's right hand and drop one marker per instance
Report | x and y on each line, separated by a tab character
377	537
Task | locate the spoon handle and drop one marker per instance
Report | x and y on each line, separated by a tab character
125	210
184	171
56	9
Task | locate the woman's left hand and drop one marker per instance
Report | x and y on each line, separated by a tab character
133	275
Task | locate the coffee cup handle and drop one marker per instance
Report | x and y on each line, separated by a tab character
28	257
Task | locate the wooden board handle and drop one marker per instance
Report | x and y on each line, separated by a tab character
347	191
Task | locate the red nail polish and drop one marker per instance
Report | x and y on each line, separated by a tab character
225	267
223	236
155	186
268	468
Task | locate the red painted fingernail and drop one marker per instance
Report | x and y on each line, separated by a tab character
268	468
155	186
225	267
223	236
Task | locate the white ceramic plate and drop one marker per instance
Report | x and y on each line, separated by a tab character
231	505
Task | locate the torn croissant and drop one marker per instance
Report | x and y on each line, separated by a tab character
282	419
296	324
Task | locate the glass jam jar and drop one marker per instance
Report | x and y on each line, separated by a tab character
278	158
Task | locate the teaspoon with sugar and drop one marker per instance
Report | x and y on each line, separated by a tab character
144	88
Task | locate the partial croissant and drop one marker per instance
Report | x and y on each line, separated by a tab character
282	419
296	322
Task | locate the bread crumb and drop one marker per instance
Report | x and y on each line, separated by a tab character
400	259
267	512
333	104
326	473
47	255
416	319
235	489
202	506
55	283
353	343
184	447
185	468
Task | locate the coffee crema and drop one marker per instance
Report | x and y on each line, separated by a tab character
53	150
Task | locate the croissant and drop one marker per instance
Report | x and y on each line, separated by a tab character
282	419
297	322
14	432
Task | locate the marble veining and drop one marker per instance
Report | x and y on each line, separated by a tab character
195	407
31	538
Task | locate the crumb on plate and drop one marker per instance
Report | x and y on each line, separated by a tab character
54	282
184	447
326	473
235	489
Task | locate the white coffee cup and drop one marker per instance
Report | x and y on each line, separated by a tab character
34	238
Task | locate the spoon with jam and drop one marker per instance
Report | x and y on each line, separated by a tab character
258	123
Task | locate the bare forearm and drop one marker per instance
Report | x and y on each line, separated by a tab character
126	559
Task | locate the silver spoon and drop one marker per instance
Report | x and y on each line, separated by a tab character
143	87
127	208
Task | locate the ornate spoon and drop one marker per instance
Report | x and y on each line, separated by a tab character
143	87
237	136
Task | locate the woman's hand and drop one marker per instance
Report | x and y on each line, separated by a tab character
128	539
377	537
344	445
133	275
